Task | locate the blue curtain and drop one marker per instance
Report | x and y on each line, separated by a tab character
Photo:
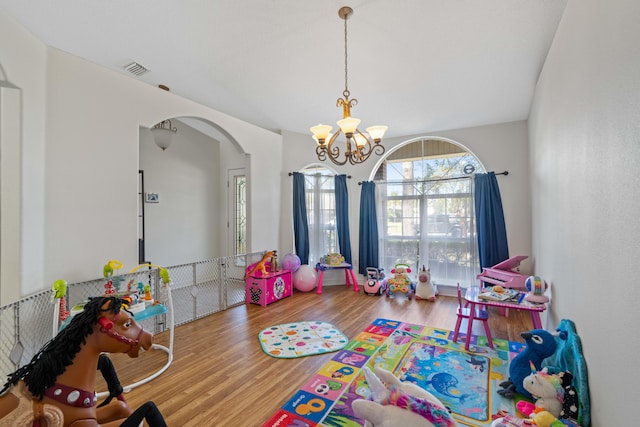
368	251
300	223
342	216
492	233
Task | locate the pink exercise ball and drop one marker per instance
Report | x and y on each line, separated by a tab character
291	262
304	279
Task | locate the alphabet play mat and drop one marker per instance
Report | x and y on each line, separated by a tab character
300	339
466	382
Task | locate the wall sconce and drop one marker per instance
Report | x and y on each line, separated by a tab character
163	133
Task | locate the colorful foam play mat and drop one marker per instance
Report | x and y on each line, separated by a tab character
466	382
300	339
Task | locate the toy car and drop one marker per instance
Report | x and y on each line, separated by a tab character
373	285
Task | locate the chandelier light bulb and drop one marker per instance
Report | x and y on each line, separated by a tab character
348	125
361	140
377	132
321	133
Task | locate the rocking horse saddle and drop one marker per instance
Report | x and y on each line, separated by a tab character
19	409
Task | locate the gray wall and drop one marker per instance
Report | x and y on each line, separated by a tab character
585	152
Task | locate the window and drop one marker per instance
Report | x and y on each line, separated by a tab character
321	212
425	210
237	200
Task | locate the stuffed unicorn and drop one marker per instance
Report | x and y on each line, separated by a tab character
425	289
399	404
547	390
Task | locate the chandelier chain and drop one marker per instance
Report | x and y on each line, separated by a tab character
346	92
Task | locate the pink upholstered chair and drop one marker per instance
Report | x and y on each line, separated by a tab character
463	313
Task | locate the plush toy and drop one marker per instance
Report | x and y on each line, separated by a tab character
425	289
260	266
547	390
571	403
545	419
542	385
540	345
399	404
539	419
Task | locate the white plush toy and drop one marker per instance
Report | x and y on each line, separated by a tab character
399	404
425	289
547	390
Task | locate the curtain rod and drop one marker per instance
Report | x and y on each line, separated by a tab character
348	176
441	179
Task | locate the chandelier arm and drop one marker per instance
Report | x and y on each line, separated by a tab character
378	149
321	151
359	156
333	151
364	152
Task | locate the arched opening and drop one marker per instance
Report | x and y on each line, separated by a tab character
187	206
425	209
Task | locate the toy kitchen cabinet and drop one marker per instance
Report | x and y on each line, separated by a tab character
272	287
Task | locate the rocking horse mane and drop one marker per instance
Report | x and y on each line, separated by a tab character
54	357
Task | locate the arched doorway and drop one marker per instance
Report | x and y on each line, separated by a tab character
188	217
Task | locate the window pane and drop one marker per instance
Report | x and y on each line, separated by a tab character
240	226
321	211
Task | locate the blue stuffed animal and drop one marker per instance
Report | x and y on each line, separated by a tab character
540	345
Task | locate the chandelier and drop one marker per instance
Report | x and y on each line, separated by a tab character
358	145
163	132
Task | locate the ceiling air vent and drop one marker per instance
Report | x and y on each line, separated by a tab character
136	69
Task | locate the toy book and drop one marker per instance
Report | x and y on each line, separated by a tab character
506	294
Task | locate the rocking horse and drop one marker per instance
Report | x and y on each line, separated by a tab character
60	380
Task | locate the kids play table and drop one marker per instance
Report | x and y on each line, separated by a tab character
348	272
471	296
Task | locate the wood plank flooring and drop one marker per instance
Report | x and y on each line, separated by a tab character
221	377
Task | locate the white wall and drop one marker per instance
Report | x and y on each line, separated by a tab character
80	160
185	225
23	65
585	152
499	147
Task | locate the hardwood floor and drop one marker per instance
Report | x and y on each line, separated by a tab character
221	377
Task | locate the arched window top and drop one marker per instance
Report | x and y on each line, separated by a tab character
427	159
318	169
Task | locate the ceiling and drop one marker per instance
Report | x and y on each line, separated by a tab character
414	65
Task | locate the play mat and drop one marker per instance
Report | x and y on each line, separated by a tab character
466	382
300	339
